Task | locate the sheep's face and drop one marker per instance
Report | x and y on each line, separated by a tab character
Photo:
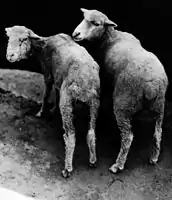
18	43
92	26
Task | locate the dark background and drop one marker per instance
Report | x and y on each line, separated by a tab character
149	20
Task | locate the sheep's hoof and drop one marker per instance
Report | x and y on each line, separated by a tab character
39	114
65	173
114	169
93	165
153	161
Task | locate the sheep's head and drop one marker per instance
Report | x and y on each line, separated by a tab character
92	26
19	44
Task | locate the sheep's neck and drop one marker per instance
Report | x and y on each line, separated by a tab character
38	45
99	46
110	37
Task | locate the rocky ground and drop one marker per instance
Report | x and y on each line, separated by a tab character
32	151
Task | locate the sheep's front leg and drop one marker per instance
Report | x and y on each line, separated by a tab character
69	135
124	124
56	100
91	137
48	87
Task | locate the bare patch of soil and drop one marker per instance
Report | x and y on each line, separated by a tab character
32	152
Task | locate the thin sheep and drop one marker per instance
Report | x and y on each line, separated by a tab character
74	74
139	77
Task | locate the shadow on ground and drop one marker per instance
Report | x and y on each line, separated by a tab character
32	150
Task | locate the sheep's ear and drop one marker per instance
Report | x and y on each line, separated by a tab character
108	22
33	35
8	30
84	10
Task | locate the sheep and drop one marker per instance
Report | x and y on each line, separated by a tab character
74	74
139	79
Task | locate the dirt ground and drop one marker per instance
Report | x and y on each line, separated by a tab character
32	152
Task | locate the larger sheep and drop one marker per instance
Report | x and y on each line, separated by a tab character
139	78
74	74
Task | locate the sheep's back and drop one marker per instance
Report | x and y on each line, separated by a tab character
74	66
136	70
132	56
78	61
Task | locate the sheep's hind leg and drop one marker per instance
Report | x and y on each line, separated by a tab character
124	124
69	135
159	109
91	137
